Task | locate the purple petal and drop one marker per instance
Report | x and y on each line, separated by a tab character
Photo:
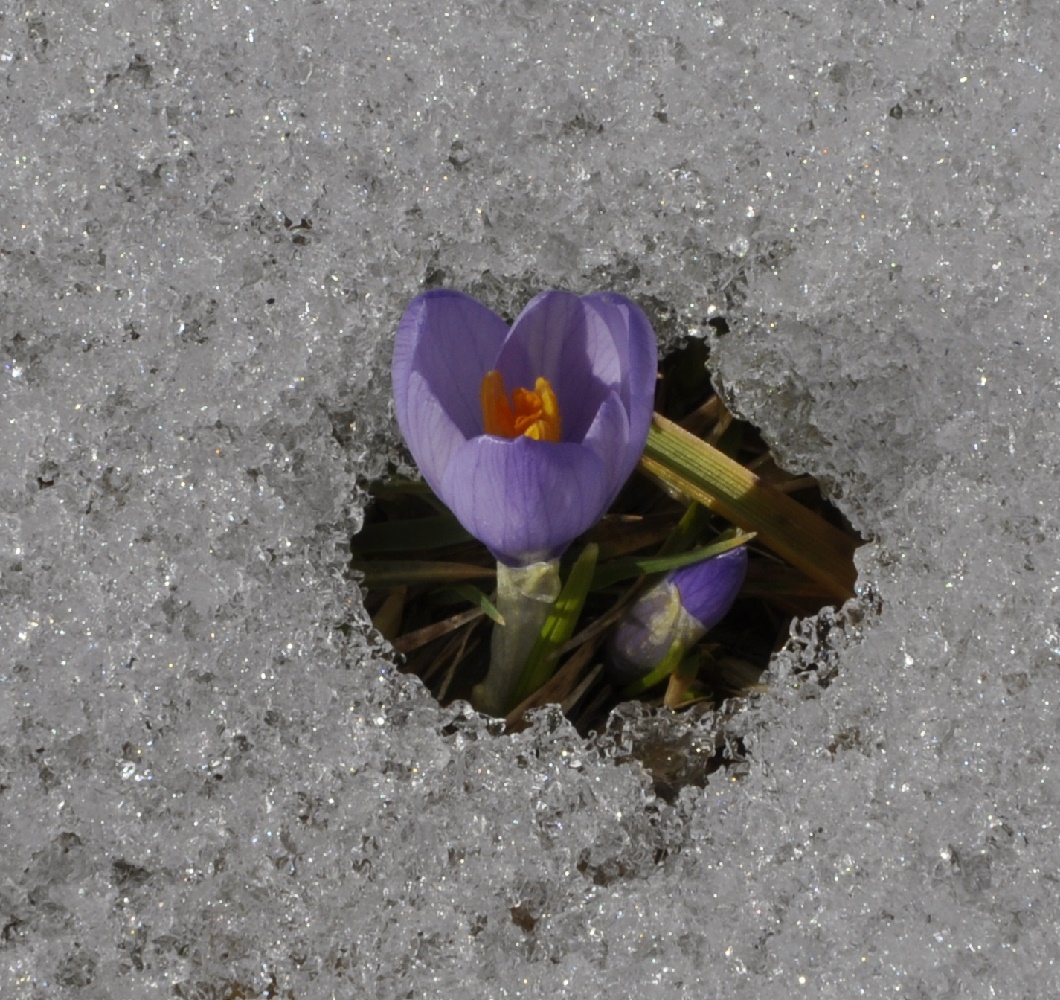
709	588
636	346
451	341
431	435
609	438
552	338
526	500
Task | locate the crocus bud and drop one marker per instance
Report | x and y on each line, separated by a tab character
682	607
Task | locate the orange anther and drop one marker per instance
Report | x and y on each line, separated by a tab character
532	413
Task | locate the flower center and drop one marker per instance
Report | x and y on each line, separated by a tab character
533	413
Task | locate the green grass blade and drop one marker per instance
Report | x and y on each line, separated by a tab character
559	626
470	594
669	664
693	521
690	465
626	569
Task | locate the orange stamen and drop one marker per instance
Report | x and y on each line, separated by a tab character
532	413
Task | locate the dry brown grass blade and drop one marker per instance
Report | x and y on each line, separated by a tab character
387	620
413	640
460	642
558	687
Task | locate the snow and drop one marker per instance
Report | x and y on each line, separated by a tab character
213	781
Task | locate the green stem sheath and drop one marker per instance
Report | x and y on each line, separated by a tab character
525	596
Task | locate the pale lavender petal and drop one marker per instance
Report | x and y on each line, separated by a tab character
526	500
452	341
609	438
636	346
539	335
431	435
709	588
646	631
551	338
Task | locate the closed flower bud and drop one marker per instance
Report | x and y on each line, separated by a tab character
681	608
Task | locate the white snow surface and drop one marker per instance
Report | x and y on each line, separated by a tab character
213	781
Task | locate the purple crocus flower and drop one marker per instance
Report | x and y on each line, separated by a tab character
529	472
683	607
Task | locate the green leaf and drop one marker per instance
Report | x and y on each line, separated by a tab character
559	626
686	531
467	593
670	662
626	569
689	465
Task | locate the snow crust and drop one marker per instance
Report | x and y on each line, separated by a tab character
213	782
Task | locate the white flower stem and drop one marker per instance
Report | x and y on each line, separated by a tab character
525	596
